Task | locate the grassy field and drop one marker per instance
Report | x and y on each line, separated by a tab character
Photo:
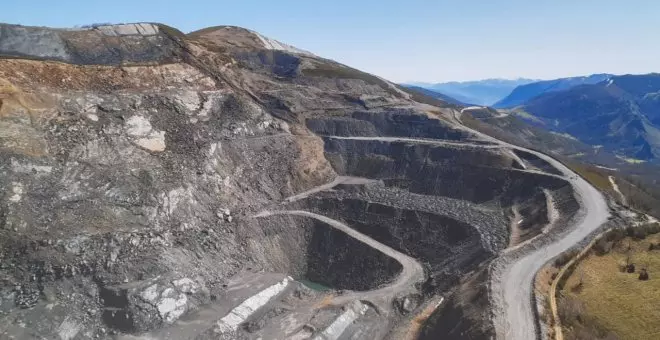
600	299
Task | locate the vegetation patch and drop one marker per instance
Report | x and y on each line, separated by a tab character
611	293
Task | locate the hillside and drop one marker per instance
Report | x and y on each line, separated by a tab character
221	184
610	275
523	93
621	115
639	182
481	92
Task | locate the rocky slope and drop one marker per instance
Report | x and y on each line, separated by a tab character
137	164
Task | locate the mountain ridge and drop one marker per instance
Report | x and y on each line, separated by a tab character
622	114
480	92
523	93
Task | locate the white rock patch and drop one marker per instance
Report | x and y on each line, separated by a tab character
173	306
17	192
150	139
30	168
155	142
238	315
151	293
472	108
335	330
186	285
129	29
189	100
138	126
68	329
273	44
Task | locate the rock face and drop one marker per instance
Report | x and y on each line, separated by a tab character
133	159
99	45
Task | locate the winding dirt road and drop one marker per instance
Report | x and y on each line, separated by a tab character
514	272
411	274
420	141
512	277
512	283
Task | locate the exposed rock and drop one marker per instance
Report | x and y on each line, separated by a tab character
133	158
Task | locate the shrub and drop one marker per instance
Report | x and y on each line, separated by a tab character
563	258
570	310
651	228
615	235
640	233
643	275
602	247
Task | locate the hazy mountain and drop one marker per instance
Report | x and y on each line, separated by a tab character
435	94
480	92
523	93
622	114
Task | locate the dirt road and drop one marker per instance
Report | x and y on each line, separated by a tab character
513	276
513	273
412	272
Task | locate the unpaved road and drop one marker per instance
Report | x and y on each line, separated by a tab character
337	181
420	141
512	280
411	274
496	144
615	186
513	273
512	284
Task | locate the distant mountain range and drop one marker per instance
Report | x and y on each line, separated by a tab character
481	92
523	93
436	95
618	113
621	114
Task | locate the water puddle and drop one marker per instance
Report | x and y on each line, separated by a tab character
315	286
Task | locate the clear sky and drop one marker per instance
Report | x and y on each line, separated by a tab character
411	40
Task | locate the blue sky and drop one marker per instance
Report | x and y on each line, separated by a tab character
410	40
